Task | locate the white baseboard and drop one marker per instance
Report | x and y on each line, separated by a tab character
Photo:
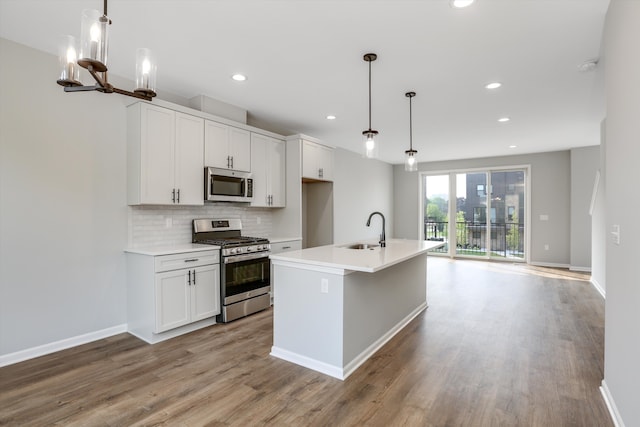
307	362
599	288
377	345
342	372
611	406
31	353
549	264
580	269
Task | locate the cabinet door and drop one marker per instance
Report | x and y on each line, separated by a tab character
325	162
277	159
260	164
216	145
205	292
240	149
157	154
189	160
173	295
309	160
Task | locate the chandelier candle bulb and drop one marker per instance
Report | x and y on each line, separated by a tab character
145	72
69	72
94	40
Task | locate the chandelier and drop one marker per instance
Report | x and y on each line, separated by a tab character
94	43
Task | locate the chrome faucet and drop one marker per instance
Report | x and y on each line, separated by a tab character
382	242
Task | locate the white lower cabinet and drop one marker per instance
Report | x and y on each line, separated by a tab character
186	296
285	246
169	294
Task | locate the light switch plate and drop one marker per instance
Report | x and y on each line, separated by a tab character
324	286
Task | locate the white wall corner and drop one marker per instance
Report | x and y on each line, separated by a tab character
611	406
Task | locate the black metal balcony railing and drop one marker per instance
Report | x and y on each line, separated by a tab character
507	239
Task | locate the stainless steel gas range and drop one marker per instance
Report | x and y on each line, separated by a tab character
244	266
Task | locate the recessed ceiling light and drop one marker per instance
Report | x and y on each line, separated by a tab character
459	4
512	146
239	77
331	117
493	85
503	119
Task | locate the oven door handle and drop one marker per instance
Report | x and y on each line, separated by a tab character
245	257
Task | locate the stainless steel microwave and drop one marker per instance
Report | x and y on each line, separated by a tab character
223	185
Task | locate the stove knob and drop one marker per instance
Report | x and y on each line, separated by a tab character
233	250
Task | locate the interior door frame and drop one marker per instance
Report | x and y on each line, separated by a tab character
453	203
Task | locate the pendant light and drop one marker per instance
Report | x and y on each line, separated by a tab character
410	160
94	43
370	145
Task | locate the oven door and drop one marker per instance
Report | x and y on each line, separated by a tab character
245	276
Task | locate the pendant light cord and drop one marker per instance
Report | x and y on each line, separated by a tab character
369	94
410	125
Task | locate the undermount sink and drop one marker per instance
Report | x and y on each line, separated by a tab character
361	246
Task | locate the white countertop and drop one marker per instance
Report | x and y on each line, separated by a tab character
365	260
171	249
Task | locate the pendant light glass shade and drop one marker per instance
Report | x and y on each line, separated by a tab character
410	160
145	72
370	143
370	140
68	57
94	40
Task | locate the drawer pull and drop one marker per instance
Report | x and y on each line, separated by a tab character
286	247
191	260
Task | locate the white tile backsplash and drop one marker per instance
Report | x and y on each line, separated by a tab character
151	226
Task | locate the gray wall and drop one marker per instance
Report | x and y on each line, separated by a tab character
622	321
550	195
599	224
361	186
63	211
584	164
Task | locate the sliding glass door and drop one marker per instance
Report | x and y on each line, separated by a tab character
485	219
436	211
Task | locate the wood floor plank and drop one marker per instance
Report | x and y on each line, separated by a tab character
500	345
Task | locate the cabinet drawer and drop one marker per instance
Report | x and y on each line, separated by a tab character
186	260
292	245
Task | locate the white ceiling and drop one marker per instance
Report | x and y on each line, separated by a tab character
303	59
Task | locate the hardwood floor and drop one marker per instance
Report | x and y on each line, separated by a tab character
499	345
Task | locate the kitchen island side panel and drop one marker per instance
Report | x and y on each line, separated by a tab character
306	321
379	304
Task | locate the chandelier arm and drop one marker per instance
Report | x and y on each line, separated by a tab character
133	94
102	83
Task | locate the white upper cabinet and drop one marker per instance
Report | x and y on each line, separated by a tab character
227	147
317	161
268	171
165	156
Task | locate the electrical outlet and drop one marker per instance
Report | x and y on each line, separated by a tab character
546	247
258	220
324	286
168	222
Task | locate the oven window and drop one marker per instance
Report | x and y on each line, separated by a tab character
246	276
227	185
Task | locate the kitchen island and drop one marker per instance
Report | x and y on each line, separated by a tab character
335	306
